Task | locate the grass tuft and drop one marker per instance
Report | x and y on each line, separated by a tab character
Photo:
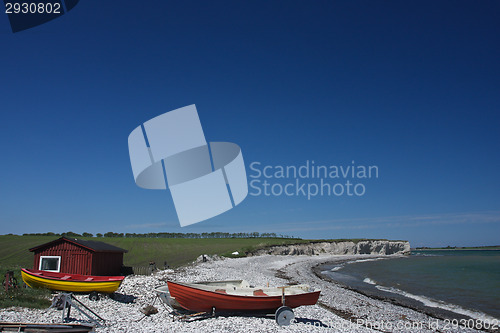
20	296
25	297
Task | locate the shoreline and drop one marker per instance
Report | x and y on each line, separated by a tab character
338	309
399	300
437	314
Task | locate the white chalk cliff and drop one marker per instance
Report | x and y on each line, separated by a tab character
383	247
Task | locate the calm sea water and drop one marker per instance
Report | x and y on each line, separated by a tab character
462	281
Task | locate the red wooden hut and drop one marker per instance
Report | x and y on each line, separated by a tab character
77	256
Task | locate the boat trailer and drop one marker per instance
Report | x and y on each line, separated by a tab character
64	302
284	315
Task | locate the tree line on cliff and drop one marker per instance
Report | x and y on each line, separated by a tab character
166	235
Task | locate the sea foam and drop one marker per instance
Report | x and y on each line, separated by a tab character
369	281
439	304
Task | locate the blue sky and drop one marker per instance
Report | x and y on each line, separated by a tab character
411	87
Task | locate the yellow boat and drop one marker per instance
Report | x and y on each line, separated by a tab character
71	282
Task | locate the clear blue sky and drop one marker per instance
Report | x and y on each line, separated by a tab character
411	87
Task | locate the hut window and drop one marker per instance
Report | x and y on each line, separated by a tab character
50	263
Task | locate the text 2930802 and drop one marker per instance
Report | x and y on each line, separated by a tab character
32	8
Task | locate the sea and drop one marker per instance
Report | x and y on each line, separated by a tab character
460	282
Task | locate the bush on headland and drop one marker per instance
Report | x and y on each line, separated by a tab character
167	235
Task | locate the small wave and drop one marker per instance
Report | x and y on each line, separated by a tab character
438	304
366	260
369	281
336	268
426	255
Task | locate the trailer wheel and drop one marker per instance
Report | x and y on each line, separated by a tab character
94	296
284	316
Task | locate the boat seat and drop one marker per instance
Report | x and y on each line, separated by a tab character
221	291
89	279
259	292
66	277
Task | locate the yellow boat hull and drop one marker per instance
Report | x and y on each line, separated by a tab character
73	286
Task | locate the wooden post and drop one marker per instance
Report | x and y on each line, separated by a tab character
282	295
7	281
10	281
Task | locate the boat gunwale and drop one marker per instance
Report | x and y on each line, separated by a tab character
253	297
42	276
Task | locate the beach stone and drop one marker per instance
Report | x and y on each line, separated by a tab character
331	314
149	310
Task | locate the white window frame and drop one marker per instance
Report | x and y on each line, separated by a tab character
50	257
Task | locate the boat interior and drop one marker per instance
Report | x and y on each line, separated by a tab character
243	288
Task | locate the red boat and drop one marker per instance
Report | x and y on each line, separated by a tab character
238	295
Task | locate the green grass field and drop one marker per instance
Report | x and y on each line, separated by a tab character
14	250
179	251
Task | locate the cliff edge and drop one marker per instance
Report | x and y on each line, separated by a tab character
383	247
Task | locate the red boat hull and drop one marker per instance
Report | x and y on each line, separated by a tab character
198	300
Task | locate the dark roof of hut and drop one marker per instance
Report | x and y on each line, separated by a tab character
91	245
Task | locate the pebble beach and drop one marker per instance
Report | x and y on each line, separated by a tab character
338	309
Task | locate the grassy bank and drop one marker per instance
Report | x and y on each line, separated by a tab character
24	297
14	250
176	251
